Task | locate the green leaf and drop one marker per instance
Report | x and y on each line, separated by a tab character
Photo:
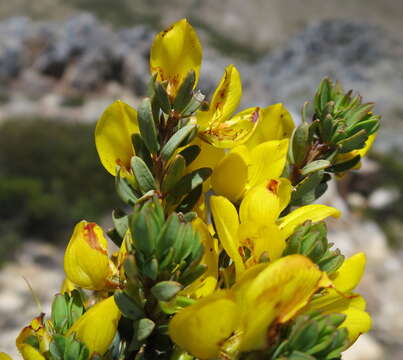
147	127
162	97
140	149
59	313
143	328
299	143
345	166
128	307
194	104
306	191
315	166
176	140
190	153
174	172
150	269
187	278
143	175
190	200
190	181
167	235
354	142
166	290
121	222
185	92
124	189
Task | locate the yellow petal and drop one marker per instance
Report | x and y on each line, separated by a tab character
277	293
67	286
350	273
86	261
230	175
36	329
28	352
234	131
4	356
201	328
309	212
267	161
276	124
209	157
225	100
174	53
97	327
113	136
265	240
261	204
357	322
227	224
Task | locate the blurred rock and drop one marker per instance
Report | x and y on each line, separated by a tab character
383	197
362	57
41	266
366	348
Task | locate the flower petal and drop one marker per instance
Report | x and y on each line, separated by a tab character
225	100
232	132
230	175
350	273
267	161
277	293
313	212
86	261
202	327
113	136
97	327
276	124
174	53
227	224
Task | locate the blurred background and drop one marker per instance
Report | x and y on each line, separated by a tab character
63	61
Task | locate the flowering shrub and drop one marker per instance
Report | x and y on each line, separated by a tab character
221	252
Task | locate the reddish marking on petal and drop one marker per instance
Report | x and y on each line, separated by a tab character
166	31
91	237
255	115
272	186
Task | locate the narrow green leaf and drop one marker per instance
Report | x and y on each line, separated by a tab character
143	328
176	140
190	181
143	175
162	97
315	166
124	189
185	92
166	290
190	153
127	306
174	172
147	127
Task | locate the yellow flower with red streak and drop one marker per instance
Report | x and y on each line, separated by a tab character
259	226
86	260
265	295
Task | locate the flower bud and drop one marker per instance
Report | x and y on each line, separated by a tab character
86	261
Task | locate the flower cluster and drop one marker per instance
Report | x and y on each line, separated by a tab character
221	252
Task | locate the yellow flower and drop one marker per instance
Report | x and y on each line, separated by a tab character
341	298
113	136
258	226
67	286
216	125
174	53
97	327
264	295
276	124
86	261
37	330
251	166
